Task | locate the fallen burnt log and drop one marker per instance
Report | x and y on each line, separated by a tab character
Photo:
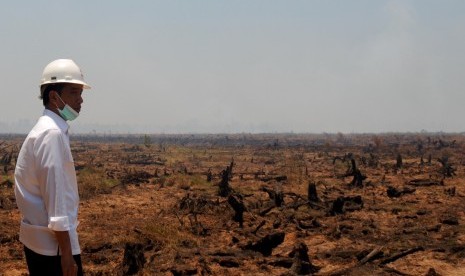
313	223
146	162
346	204
226	261
401	254
262	223
301	201
268	178
266	244
135	177
375	253
393	192
372	255
425	182
181	270
280	262
144	159
267	209
450	220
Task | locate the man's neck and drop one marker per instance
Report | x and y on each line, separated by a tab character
54	110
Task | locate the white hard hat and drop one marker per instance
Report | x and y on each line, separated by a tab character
63	71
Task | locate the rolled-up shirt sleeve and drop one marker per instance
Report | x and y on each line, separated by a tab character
52	156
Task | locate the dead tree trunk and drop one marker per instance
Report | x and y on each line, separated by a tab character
346	204
301	262
338	206
267	243
357	181
401	254
393	192
133	260
279	197
236	203
230	169
209	175
447	170
224	189
399	161
276	195
312	194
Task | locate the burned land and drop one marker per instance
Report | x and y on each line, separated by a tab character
262	204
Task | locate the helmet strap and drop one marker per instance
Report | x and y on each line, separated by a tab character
60	100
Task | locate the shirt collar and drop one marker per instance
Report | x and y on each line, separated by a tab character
60	122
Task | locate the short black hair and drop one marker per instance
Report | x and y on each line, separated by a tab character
45	91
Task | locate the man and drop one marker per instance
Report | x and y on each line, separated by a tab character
45	180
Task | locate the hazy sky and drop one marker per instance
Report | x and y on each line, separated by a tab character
241	66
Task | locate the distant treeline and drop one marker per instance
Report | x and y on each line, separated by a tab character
272	140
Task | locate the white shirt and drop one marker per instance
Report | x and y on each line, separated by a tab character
46	187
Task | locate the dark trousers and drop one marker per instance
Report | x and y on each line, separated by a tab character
40	265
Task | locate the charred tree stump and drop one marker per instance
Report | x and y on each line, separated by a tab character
276	195
353	203
357	181
134	259
230	169
346	204
209	175
338	206
279	198
312	194
301	262
450	191
236	203
266	244
224	189
399	161
393	192
447	170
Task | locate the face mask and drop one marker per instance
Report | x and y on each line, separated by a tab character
67	113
